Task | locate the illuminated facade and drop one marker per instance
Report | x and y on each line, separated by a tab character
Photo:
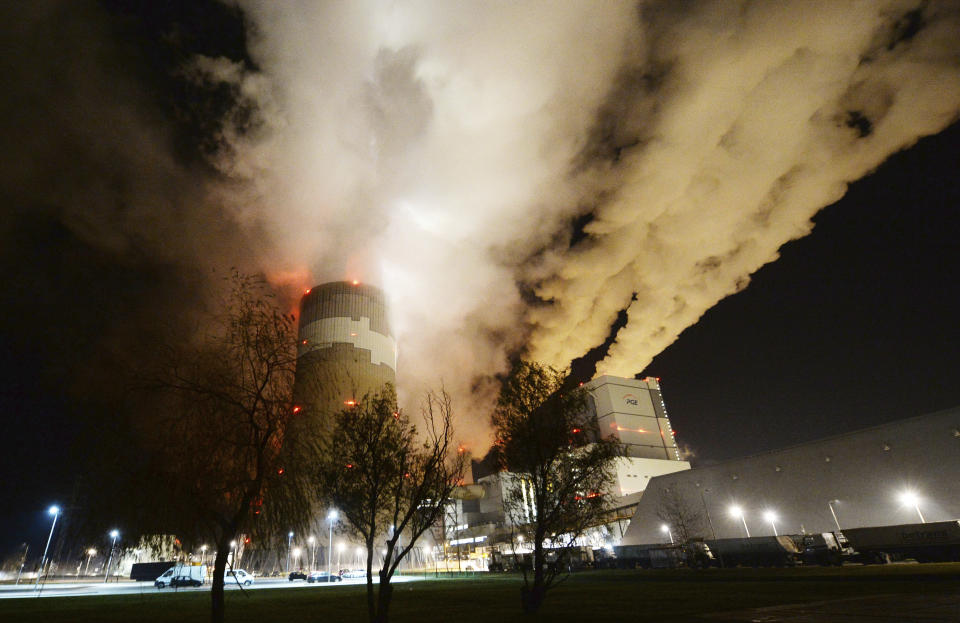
633	411
346	348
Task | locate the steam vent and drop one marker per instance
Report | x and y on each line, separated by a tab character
346	348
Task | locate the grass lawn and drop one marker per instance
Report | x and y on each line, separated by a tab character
586	596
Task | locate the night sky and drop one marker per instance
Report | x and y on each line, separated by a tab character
855	325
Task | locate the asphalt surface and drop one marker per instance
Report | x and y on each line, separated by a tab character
127	587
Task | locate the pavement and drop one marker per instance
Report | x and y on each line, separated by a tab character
128	587
918	608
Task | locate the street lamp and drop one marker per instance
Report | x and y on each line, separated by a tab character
289	546
910	498
113	535
331	518
834	513
313	552
90	554
771	518
666	530
296	556
55	511
736	511
360	552
203	553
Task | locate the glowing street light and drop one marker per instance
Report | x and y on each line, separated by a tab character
203	553
331	518
771	518
910	498
113	535
55	511
296	556
90	554
313	552
289	547
666	530
736	511
834	513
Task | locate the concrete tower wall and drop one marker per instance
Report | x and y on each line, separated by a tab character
346	348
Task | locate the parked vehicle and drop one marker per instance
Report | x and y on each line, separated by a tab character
182	574
237	576
322	576
758	551
149	571
297	575
354	573
925	542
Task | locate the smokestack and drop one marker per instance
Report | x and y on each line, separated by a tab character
346	349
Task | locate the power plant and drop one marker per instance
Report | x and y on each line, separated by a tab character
345	346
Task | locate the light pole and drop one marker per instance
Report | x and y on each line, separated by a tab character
55	511
331	517
296	556
360	552
203	553
90	554
771	518
909	498
113	535
834	513
666	530
289	547
706	510
736	511
313	552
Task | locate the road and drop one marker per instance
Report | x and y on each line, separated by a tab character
127	587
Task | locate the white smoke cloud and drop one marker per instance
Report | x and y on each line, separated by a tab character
440	150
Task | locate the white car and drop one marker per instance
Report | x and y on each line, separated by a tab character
354	573
237	576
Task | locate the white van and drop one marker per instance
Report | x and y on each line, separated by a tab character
237	576
182	575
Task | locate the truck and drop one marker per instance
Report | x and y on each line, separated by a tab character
149	571
694	553
182	574
758	551
937	541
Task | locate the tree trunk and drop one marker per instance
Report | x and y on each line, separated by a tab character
385	593
371	605
216	590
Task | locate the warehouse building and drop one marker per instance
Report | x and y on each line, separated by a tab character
895	473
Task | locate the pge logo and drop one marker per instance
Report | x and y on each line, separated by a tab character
630	399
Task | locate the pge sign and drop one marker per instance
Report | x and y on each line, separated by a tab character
631	400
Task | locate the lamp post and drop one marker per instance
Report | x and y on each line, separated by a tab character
289	548
90	554
296	556
113	535
360	552
313	552
736	511
666	530
331	517
909	498
203	553
707	510
771	518
55	511
834	513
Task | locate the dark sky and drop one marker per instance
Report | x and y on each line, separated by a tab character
855	325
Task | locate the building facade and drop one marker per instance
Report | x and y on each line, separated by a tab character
846	481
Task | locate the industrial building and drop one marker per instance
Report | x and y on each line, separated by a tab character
862	478
345	346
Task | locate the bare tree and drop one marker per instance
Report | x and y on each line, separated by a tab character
387	481
560	468
684	520
205	458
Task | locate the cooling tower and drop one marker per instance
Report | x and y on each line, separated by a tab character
346	348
